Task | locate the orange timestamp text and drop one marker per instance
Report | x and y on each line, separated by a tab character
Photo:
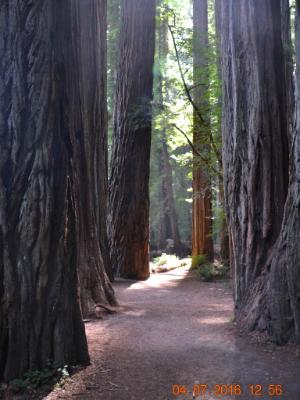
199	390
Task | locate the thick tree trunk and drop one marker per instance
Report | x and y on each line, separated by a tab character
48	51
256	114
86	94
202	242
283	298
129	182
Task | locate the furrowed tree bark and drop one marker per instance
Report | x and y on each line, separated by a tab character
224	236
202	242
46	50
284	275
129	181
256	114
86	94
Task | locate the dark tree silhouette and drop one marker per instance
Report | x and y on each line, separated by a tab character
52	197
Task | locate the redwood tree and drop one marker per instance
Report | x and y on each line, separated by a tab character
51	127
168	221
224	235
168	225
283	297
129	181
257	109
87	125
202	242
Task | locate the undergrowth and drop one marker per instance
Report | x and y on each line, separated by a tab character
212	271
34	380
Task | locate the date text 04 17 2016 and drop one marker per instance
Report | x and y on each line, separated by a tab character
219	390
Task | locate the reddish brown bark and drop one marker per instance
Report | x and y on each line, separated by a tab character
86	94
202	242
129	182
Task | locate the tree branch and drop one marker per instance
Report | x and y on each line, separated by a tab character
197	153
187	91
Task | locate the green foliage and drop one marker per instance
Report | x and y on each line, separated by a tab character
211	271
198	260
113	34
219	217
207	272
170	106
223	271
173	108
34	379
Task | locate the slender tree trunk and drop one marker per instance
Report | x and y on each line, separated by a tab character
168	228
129	182
168	221
202	242
255	159
224	235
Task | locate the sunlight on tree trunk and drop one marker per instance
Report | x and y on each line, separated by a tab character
202	242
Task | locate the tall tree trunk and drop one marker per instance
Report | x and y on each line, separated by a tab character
168	228
202	242
255	160
224	235
129	182
86	94
168	219
50	62
113	33
283	296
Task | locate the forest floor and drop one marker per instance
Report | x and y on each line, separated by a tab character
174	329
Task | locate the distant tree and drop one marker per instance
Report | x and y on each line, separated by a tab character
224	234
256	110
202	241
129	181
168	222
52	179
113	32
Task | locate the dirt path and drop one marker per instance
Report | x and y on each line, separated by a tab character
174	329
